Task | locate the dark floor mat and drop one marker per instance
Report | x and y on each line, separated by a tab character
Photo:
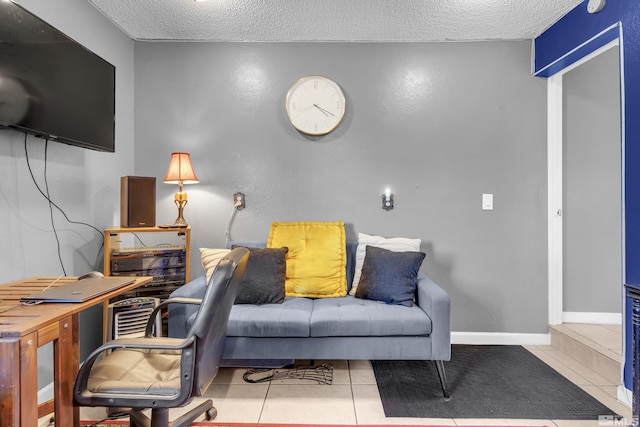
491	381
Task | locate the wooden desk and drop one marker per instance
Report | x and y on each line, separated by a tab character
25	328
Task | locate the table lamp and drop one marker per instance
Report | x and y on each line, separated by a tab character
180	172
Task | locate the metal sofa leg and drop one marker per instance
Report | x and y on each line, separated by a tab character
443	378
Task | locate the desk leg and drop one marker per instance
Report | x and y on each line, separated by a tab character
66	354
10	382
29	380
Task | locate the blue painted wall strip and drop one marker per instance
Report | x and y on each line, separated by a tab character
575	29
585	49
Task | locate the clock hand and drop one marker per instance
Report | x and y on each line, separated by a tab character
321	109
326	112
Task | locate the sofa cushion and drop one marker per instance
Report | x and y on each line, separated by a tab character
396	244
390	277
355	317
210	258
263	280
316	261
351	248
289	319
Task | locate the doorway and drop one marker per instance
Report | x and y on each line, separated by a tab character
583	298
580	130
591	192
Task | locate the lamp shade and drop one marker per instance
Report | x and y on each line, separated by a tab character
180	170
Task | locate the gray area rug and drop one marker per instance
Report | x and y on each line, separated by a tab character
484	382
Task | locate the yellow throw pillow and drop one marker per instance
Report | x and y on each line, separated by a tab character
317	258
210	259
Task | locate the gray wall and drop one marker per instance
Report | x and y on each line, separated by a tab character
438	123
591	191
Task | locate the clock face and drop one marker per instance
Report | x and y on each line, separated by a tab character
14	101
315	105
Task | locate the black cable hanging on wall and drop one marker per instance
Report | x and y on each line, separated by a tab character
52	204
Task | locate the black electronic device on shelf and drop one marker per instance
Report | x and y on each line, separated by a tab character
166	264
51	86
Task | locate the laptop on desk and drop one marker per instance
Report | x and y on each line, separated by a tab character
79	291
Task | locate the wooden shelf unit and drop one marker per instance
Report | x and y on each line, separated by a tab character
113	241
163	259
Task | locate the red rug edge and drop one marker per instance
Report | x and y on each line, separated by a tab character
342	425
231	424
221	424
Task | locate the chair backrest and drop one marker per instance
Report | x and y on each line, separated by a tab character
210	324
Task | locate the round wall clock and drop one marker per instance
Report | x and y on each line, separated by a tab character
315	105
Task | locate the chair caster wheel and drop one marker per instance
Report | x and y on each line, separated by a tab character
211	414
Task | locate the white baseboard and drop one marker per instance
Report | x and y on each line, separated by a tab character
624	395
499	338
593	318
45	393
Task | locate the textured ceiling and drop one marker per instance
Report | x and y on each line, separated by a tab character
334	20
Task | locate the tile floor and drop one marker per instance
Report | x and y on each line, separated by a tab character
353	396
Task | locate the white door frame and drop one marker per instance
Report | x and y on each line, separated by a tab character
554	183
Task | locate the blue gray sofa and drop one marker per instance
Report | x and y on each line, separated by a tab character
343	328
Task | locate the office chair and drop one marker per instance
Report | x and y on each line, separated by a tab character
160	372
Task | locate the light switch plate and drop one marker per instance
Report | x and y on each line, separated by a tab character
487	202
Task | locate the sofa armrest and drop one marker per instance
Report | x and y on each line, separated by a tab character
437	304
180	313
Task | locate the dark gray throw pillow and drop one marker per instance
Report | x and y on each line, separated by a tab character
388	276
263	280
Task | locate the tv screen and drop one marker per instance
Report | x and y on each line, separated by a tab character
51	86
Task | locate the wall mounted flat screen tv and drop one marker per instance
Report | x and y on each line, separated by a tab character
51	86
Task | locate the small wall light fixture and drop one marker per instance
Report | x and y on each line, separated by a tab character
595	6
387	200
180	172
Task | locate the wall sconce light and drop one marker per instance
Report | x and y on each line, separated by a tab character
180	172
387	200
595	6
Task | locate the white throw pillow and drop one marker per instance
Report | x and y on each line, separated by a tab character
210	258
395	244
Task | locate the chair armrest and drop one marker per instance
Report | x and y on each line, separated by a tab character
437	304
149	332
162	343
179	313
154	343
185	346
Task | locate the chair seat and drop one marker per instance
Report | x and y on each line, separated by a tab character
137	372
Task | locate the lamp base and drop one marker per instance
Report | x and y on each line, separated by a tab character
180	223
180	203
